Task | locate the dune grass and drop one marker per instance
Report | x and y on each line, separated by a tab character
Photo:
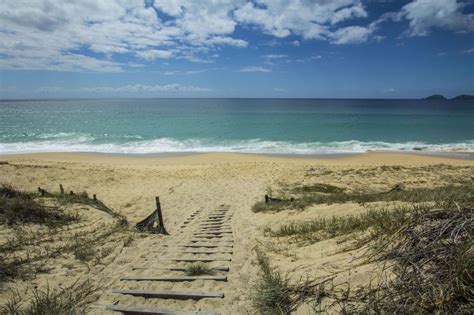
317	188
275	293
18	207
428	241
432	270
445	194
324	228
69	300
199	269
26	251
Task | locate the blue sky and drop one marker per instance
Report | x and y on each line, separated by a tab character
236	48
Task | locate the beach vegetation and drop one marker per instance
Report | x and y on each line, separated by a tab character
442	194
317	188
70	300
423	244
325	228
277	293
19	207
431	269
199	269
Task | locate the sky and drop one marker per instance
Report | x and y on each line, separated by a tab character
236	48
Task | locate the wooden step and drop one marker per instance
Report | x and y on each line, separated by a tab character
175	268
197	246
188	259
170	294
215	232
207	246
210	236
151	311
174	278
207	252
211	241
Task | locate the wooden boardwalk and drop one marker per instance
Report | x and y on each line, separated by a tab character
203	239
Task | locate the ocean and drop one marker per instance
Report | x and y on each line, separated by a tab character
275	126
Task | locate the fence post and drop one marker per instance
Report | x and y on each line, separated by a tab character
266	198
160	215
95	197
61	188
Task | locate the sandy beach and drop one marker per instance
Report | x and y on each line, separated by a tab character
198	184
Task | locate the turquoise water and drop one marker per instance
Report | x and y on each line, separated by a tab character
287	126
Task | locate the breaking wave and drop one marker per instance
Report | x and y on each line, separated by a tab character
136	145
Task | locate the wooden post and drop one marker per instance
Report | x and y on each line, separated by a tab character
95	197
61	188
266	198
160	215
71	193
41	191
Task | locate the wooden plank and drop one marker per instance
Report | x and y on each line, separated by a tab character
175	268
207	246
209	252
171	294
212	241
213	229
151	311
197	245
210	236
174	278
209	232
188	259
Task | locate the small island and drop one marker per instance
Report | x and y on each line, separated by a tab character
464	97
436	97
439	97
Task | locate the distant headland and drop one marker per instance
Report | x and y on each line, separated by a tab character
442	97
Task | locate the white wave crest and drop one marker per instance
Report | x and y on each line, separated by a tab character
167	145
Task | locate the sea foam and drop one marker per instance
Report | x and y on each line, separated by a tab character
85	143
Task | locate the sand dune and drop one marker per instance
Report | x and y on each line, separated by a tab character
200	184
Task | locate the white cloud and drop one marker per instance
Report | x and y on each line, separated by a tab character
190	72
87	35
446	14
280	90
467	51
40	34
153	54
309	19
135	89
275	56
254	69
351	35
309	59
389	90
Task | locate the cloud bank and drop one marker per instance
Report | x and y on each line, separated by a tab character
91	35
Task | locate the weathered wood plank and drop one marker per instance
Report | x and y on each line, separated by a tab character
152	311
209	252
174	268
210	236
171	294
212	241
174	278
197	245
188	259
207	246
216	232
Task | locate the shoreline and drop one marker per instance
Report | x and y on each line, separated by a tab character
318	156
